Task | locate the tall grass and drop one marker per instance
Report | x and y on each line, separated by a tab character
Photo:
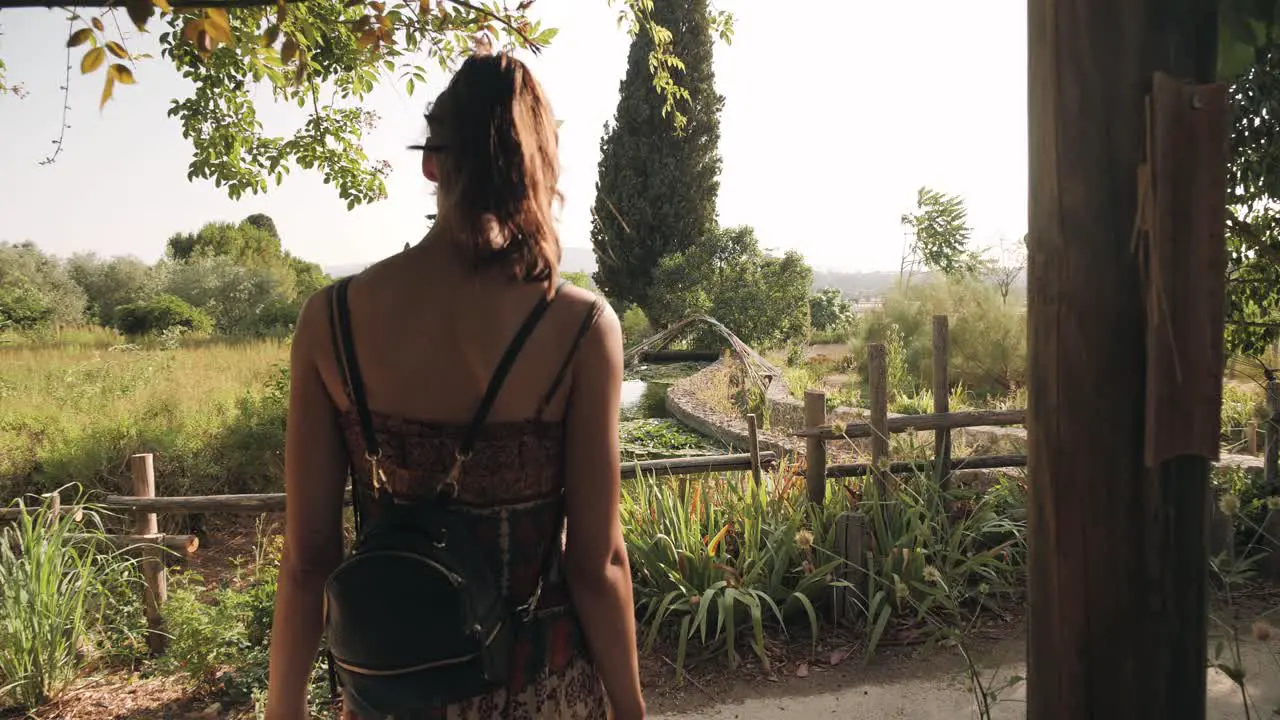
60	588
212	412
717	561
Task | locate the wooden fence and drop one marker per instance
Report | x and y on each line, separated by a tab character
817	432
146	539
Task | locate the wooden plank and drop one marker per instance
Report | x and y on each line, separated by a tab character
155	581
1104	590
878	381
1271	462
851	543
184	545
275	502
1251	437
815	454
941	390
904	467
932	421
675	356
12	514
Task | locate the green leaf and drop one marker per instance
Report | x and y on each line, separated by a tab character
92	60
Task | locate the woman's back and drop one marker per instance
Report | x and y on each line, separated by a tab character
388	370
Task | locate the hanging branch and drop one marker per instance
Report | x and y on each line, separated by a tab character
66	105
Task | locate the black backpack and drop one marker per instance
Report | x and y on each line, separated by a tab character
414	617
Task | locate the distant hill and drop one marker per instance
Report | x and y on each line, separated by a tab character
575	260
853	284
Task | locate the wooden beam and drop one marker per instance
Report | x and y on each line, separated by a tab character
815	452
932	421
13	514
155	580
1106	593
905	467
184	545
941	390
675	356
274	502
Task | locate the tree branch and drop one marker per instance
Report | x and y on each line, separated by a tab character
501	20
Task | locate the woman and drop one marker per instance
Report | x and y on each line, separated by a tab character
429	326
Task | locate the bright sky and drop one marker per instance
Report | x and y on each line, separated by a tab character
833	117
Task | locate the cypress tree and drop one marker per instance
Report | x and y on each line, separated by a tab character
657	186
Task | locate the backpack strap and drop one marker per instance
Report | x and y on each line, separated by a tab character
349	367
588	322
449	487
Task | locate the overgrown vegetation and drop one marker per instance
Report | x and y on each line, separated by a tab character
67	601
212	412
232	279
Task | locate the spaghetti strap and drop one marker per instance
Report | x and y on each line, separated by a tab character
588	322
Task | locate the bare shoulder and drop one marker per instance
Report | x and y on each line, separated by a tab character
584	303
313	323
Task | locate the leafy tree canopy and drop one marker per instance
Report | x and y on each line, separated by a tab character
1253	213
325	56
939	236
763	299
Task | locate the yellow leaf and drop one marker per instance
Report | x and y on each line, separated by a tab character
289	50
79	37
106	90
368	38
715	541
270	36
92	60
424	7
218	25
163	5
116	49
281	12
378	7
302	68
97	24
121	73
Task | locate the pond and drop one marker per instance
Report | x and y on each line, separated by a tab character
644	399
648	430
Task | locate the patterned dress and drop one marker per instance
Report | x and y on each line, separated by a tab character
512	487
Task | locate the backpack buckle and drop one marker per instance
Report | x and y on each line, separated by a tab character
529	608
449	488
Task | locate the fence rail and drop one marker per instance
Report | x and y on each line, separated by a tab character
147	540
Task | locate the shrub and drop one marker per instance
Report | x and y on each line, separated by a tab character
635	326
61	587
153	317
941	552
221	637
1240	405
830	311
988	340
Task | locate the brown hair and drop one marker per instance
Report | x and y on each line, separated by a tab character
496	147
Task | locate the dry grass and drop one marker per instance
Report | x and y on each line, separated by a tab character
74	413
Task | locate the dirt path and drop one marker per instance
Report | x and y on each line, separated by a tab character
934	688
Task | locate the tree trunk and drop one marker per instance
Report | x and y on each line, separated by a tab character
1117	620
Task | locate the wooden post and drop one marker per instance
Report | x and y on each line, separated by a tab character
851	543
1118	588
1251	437
878	379
1271	463
815	453
155	583
753	439
941	396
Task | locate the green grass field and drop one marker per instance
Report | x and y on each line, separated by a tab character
212	412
